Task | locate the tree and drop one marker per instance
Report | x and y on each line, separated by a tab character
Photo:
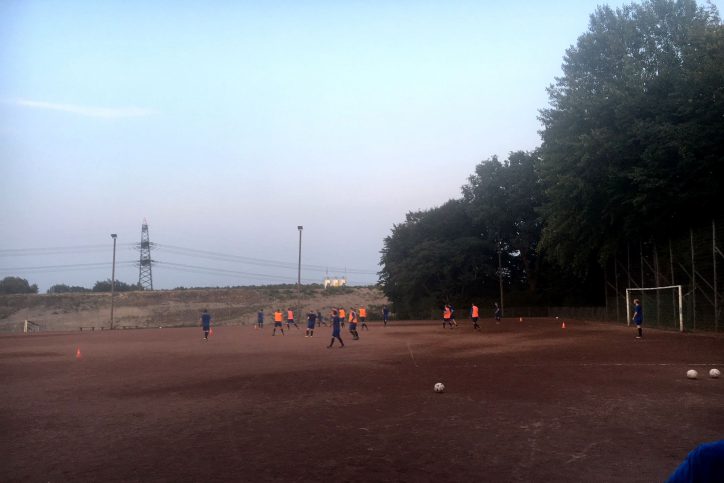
632	140
502	199
434	257
16	285
63	288
105	286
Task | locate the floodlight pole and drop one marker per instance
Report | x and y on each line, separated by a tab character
299	269
500	280
113	276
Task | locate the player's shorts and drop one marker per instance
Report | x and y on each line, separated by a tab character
446	319
335	332
475	319
310	324
277	324
206	327
353	326
290	321
362	319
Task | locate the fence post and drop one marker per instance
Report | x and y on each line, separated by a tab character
716	293
693	280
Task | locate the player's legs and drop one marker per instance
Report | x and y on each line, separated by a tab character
640	331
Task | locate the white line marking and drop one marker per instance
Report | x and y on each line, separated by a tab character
411	356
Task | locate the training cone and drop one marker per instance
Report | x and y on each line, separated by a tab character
563	325
77	353
211	332
521	319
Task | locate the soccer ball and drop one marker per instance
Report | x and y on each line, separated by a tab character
714	373
439	387
692	374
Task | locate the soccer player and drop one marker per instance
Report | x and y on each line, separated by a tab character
311	322
353	324
363	318
278	322
385	315
290	318
342	315
474	315
260	319
704	463
206	324
638	317
497	313
446	316
335	329
452	316
320	319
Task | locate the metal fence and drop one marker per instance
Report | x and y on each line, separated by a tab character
693	260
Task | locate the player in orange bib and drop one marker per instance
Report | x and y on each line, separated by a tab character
278	322
474	314
363	318
447	316
353	324
342	315
290	318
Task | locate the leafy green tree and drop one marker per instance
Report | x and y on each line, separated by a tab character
632	140
502	199
435	257
63	288
105	286
16	285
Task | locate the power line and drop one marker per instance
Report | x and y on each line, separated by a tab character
255	261
220	271
22	252
56	268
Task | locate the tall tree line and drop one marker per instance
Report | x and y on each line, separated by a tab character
632	149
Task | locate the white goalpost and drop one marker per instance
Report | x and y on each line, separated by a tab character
676	314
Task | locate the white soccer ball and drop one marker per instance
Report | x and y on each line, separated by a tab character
439	387
692	374
714	373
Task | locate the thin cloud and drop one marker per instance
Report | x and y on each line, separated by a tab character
87	111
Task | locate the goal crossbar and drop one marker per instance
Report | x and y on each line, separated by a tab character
681	301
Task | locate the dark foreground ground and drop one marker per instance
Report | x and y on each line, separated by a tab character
525	401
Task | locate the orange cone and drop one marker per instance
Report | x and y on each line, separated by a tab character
211	332
563	325
77	353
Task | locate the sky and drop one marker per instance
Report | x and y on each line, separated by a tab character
227	124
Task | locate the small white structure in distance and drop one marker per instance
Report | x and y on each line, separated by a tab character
335	282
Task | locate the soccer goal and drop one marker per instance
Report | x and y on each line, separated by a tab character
661	306
30	326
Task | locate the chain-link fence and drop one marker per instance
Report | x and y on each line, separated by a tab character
694	260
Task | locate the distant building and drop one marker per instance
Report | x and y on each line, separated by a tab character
335	282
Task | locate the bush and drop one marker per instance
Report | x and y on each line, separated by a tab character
14	285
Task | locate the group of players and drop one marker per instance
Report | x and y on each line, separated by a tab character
448	316
315	319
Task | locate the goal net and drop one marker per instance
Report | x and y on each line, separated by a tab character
662	307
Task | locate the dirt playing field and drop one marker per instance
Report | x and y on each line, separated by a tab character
525	401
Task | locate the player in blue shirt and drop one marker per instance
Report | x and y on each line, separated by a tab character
311	322
638	317
206	323
704	464
260	319
335	329
320	319
385	315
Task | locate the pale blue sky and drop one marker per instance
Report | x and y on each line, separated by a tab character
227	124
